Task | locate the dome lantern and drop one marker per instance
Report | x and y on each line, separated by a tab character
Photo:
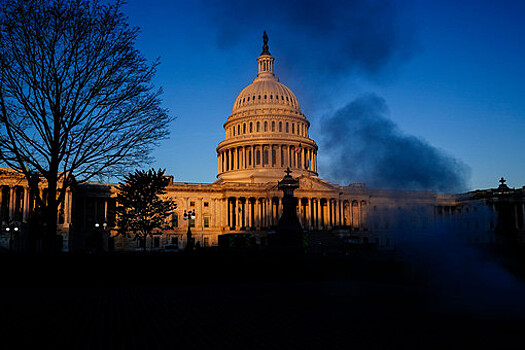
265	60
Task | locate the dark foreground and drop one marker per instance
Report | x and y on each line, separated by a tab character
253	300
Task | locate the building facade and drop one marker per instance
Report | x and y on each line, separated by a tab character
265	134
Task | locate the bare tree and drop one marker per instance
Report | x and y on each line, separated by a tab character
76	98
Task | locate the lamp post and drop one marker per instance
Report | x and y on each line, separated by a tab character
11	231
190	215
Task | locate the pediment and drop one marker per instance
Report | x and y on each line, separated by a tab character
308	183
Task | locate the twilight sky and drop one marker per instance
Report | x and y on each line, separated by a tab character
446	74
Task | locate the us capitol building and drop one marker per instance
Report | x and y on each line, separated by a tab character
267	133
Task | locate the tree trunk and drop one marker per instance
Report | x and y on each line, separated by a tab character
50	217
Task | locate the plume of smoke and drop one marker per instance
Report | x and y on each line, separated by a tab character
460	277
363	145
320	38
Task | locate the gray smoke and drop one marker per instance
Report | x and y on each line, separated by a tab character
320	38
363	145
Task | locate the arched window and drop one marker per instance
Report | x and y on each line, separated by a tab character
244	128
238	129
286	128
265	126
293	128
233	131
280	126
258	126
251	127
273	126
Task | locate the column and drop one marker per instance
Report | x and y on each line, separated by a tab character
339	212
280	206
245	157
223	212
315	207
256	214
278	155
25	207
230	219
300	210
309	213
12	196
67	208
238	216
235	159
270	212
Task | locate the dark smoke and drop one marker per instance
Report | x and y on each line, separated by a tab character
365	146
320	38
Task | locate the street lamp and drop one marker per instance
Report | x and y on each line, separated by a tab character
11	232
189	216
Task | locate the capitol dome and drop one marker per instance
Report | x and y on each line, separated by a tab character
266	132
265	90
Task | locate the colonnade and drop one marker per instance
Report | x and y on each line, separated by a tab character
18	202
271	156
250	213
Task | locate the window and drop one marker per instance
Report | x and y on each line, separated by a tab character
265	126
286	127
206	204
244	128
192	204
238	129
156	242
175	220
249	158
280	126
206	221
273	126
265	157
293	128
265	97
258	157
251	127
258	126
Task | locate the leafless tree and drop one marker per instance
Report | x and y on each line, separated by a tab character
76	98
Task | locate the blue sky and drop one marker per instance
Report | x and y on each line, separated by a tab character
450	73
